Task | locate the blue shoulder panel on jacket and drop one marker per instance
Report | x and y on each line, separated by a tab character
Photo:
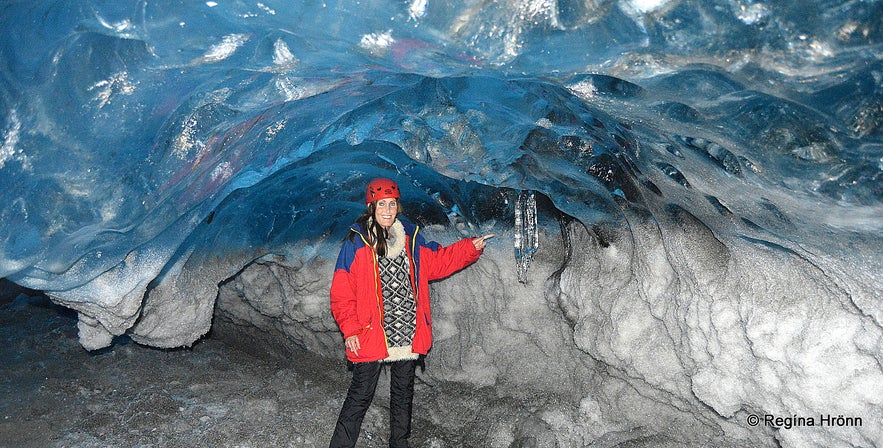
411	231
409	226
348	252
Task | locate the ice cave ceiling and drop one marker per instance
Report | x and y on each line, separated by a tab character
152	151
127	124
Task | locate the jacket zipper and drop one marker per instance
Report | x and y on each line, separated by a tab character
414	281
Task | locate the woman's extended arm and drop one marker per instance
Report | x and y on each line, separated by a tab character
439	262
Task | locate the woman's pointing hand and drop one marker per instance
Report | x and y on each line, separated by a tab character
481	241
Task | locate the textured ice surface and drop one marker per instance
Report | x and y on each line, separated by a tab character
707	178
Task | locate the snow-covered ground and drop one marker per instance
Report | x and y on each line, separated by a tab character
233	389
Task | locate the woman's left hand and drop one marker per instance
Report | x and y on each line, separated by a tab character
481	241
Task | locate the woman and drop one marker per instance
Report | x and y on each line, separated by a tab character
380	300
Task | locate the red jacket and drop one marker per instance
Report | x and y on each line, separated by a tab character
356	293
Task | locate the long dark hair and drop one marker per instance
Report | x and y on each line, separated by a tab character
374	232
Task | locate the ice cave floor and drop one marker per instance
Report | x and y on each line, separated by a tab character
215	394
225	391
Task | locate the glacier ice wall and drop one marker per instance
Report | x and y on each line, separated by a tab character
707	178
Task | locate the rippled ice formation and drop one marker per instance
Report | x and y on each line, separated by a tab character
707	178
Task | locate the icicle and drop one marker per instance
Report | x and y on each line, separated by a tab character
526	241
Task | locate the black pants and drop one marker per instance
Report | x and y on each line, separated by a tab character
360	395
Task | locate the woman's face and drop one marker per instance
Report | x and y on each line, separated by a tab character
385	212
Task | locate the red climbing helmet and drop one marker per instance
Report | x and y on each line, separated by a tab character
381	188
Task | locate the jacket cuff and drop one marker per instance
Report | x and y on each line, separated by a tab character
352	332
472	251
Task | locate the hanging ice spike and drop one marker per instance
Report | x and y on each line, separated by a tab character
526	241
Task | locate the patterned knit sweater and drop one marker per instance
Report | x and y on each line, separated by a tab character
399	305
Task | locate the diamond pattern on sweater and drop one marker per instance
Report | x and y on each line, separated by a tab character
399	307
